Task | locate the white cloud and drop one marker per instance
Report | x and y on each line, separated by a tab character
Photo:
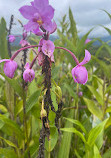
87	13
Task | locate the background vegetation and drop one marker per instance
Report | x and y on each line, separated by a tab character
85	122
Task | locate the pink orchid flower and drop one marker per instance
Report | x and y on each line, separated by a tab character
28	74
40	13
10	67
11	38
79	72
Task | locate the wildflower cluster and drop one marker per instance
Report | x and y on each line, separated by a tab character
39	15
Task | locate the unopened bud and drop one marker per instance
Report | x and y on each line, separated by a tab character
43	113
59	93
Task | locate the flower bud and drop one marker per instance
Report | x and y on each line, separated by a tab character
28	74
43	113
59	93
11	38
80	94
10	68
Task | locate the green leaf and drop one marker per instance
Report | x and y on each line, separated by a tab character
14	83
81	44
107	13
108	122
7	153
99	140
3	108
108	109
73	130
32	100
13	126
50	144
77	123
107	154
96	152
73	28
3	41
93	134
96	94
103	66
9	142
107	29
93	108
66	139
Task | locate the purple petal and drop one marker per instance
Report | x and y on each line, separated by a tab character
28	75
30	26
40	4
27	65
48	48
32	3
54	27
86	58
23	43
80	74
40	44
87	41
47	24
48	12
73	72
11	38
38	32
9	68
27	11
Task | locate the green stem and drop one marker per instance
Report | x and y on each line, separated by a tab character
25	120
49	147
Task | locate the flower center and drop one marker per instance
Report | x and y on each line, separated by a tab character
39	22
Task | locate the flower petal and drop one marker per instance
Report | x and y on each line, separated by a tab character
54	27
30	26
27	11
40	4
48	12
48	48
47	24
87	41
73	71
81	74
86	58
38	32
27	65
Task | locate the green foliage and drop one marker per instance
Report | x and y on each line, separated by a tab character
85	121
3	41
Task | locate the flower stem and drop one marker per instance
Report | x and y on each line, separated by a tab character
17	52
74	57
31	65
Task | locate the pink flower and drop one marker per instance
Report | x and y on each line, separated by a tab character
87	41
80	94
40	13
48	48
11	38
10	67
28	74
79	73
53	28
23	43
